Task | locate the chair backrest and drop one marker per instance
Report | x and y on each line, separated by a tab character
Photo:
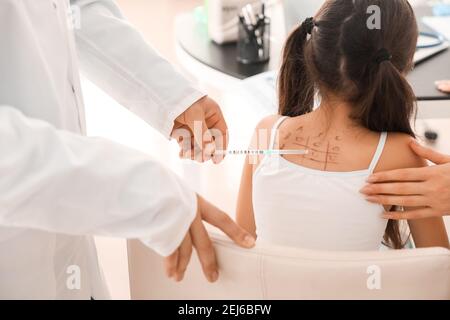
288	273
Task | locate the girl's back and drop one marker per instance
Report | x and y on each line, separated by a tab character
358	69
310	201
313	201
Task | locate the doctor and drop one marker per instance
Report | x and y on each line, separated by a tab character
58	187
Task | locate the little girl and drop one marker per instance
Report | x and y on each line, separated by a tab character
363	125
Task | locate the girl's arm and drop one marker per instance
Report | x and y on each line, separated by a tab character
244	211
429	232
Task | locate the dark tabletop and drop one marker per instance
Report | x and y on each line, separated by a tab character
193	38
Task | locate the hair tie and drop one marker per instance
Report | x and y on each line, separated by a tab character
309	25
382	55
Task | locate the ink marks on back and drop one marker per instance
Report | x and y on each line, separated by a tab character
323	151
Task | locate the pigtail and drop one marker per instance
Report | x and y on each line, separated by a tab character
387	100
296	90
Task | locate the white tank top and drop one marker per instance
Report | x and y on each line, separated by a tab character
301	207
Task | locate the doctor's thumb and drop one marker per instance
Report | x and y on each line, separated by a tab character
241	237
429	154
222	221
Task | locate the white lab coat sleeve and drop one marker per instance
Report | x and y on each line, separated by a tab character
60	182
115	56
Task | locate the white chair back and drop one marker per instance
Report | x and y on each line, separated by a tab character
288	273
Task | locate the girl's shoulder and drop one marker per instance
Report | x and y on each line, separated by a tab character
263	131
268	122
397	153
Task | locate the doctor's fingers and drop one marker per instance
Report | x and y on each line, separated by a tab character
171	263
220	143
208	116
395	188
184	256
403	201
221	220
194	119
429	154
401	175
205	250
443	85
192	151
423	213
219	132
202	143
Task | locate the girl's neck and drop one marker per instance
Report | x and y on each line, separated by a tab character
335	113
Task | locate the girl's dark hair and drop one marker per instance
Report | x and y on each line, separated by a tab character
364	65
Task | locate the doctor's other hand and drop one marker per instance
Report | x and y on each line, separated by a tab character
200	131
443	85
198	238
427	187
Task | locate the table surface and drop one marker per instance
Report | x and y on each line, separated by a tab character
193	38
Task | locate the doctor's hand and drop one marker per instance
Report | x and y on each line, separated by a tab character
198	238
443	85
427	187
200	131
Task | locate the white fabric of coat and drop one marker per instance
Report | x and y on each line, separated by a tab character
58	187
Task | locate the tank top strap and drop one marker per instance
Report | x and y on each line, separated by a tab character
378	152
273	134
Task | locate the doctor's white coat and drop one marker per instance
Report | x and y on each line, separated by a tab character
58	187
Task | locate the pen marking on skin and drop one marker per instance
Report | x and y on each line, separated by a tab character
336	149
317	144
316	150
332	158
320	161
321	151
326	156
